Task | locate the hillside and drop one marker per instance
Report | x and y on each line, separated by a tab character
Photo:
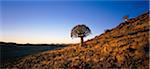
125	46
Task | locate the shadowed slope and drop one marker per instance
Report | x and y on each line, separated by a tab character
125	46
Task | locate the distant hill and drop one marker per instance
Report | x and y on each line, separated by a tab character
125	46
29	44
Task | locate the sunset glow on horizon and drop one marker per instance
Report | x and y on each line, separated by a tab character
52	21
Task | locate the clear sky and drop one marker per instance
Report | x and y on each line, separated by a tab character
51	21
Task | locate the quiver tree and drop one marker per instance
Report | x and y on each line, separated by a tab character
80	31
125	18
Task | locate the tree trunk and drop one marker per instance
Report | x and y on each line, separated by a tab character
81	41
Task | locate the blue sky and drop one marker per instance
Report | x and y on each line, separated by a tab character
52	21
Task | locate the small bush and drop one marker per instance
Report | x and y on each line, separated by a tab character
107	30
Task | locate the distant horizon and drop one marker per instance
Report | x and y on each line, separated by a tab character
38	43
50	22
